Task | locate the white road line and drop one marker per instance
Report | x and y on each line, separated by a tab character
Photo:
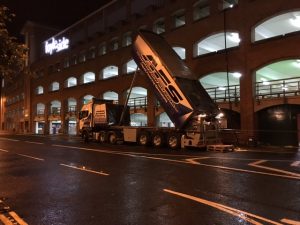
33	142
236	212
17	218
84	169
296	163
291	222
3	150
31	157
193	160
178	161
9	139
256	164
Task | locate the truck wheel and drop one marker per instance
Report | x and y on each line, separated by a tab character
112	138
173	141
158	140
144	139
102	137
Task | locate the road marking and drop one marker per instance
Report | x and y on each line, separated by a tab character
192	160
31	157
236	212
296	163
3	150
291	222
256	164
177	161
85	169
9	139
33	142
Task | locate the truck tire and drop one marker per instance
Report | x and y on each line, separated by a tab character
173	141
158	139
102	137
112	138
144	139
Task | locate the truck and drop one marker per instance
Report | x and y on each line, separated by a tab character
188	105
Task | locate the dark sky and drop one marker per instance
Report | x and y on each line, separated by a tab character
56	13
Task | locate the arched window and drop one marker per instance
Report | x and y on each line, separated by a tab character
72	103
130	66
110	95
216	42
39	90
55	107
87	98
159	26
54	86
88	77
180	51
164	120
109	71
40	109
70	82
277	25
138	119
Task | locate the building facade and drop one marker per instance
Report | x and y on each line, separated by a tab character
243	52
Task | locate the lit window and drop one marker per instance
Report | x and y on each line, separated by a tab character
54	86
102	49
88	77
127	40
180	51
109	71
201	9
114	44
82	57
131	66
39	90
159	26
229	3
92	52
179	18
71	82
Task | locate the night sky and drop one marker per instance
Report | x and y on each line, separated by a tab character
55	13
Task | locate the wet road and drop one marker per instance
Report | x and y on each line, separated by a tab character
60	180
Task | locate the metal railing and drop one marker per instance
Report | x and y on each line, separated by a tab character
223	94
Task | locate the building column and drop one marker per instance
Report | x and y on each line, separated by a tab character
63	111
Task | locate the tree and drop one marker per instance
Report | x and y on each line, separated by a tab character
12	53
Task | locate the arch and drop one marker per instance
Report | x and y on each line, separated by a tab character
159	26
138	119
110	95
40	109
130	67
216	42
109	72
87	77
87	98
180	51
72	104
54	86
39	90
71	82
138	96
278	25
55	107
216	85
163	120
281	77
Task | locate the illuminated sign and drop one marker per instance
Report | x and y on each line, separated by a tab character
54	45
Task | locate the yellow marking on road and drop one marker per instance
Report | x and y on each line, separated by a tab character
3	150
296	163
85	169
17	218
176	161
31	157
34	142
257	164
9	139
236	212
193	160
5	220
291	222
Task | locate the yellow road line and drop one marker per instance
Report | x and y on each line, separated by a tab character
256	164
85	169
291	222
17	218
236	212
3	150
34	142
